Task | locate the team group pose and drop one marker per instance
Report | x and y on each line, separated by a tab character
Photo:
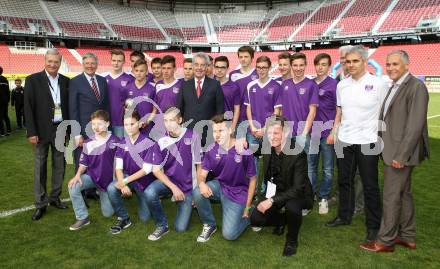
242	138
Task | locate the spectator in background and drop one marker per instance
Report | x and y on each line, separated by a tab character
17	100
45	107
5	96
188	69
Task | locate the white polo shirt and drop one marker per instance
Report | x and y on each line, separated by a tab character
360	101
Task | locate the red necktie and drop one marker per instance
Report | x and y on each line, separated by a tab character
199	89
95	89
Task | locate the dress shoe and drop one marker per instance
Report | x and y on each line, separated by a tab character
337	222
376	247
290	249
278	230
39	212
409	245
58	204
371	235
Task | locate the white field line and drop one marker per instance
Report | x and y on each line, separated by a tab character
433	116
7	213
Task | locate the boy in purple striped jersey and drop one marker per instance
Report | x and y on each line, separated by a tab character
169	87
117	80
95	169
231	91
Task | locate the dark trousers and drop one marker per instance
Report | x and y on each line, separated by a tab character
4	117
398	208
354	159
19	114
274	216
40	172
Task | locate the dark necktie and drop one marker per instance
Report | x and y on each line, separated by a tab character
95	89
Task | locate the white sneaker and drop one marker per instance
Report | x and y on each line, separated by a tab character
305	212
323	207
257	229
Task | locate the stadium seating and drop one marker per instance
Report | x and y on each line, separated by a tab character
321	20
361	17
406	14
167	20
20	63
192	27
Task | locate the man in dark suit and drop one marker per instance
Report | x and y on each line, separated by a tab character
87	94
202	97
405	140
45	106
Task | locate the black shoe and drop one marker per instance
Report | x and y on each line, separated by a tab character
278	230
337	222
39	212
371	235
290	249
58	204
120	225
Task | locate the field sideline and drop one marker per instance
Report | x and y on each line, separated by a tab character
49	244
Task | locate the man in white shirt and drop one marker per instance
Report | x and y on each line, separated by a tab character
359	99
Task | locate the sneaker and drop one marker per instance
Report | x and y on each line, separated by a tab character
206	233
323	207
305	212
120	225
79	224
158	233
257	229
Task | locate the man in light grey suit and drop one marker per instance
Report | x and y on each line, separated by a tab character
405	146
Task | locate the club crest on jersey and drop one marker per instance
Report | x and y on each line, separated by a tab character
302	91
368	88
254	77
187	141
176	90
217	156
124	83
237	158
321	92
130	93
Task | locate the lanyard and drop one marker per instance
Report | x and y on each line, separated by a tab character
54	93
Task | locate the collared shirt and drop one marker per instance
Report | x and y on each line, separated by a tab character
394	89
54	88
201	84
360	101
89	79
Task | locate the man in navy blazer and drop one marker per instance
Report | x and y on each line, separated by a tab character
87	93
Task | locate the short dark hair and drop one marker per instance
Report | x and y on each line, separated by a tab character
137	54
174	109
168	59
321	56
134	115
188	60
18	79
117	52
247	49
222	59
210	58
298	55
284	55
264	58
140	62
156	60
219	118
275	120
100	114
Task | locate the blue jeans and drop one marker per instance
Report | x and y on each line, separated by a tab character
184	208
233	222
117	201
327	152
118	131
79	206
253	143
303	141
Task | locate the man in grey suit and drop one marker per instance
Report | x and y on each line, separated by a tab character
87	94
405	138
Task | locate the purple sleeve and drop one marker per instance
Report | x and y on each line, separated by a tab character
246	97
84	158
196	148
236	95
206	164
277	96
119	152
250	166
314	98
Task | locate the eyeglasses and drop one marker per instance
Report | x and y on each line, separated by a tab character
262	67
221	67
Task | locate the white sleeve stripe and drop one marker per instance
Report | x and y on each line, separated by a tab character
119	164
147	167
